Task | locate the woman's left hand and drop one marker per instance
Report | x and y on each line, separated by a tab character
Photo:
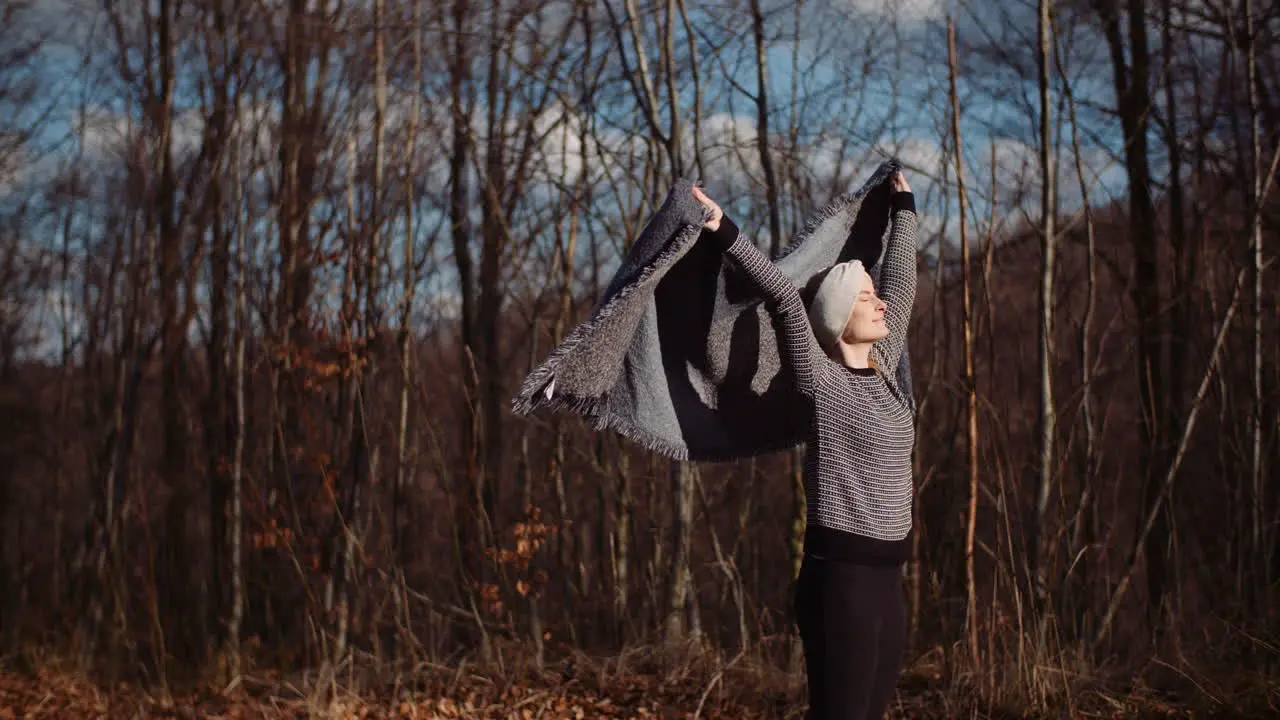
899	183
716	213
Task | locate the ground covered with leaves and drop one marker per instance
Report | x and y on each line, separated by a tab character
568	691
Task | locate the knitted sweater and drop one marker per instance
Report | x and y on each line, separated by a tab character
857	475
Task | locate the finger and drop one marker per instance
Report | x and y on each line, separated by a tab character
706	201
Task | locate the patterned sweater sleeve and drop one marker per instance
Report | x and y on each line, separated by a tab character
797	345
897	282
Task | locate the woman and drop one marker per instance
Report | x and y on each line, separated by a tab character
842	354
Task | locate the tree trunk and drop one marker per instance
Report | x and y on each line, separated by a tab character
410	288
1082	528
303	114
1038	550
1262	535
465	525
680	621
235	530
695	71
174	580
1134	104
493	236
762	129
622	547
971	433
676	139
218	424
343	508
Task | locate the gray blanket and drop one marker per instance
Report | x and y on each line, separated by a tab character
680	355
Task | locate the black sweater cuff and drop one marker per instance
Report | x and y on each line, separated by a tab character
723	236
903	201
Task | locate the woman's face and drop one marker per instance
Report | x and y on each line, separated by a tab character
866	322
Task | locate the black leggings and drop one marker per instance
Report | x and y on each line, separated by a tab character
852	621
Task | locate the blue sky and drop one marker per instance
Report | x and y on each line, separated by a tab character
901	108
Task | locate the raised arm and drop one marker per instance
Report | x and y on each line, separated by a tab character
897	282
796	343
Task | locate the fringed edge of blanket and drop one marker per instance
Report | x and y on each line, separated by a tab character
531	396
589	409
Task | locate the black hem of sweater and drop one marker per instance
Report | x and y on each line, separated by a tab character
905	200
832	544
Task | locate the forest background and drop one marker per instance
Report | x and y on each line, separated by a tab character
271	271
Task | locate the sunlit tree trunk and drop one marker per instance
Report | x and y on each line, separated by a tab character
679	612
235	511
1082	530
1262	535
1039	550
971	389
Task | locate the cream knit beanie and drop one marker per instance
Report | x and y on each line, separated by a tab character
833	302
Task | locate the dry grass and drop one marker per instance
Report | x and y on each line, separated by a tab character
669	683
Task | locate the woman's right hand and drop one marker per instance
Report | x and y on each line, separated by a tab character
899	182
716	213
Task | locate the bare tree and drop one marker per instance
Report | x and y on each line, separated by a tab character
1262	535
762	128
461	104
1048	251
235	510
641	79
1131	70
409	289
1081	528
224	59
971	387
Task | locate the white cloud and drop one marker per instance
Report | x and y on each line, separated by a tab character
111	134
909	11
730	155
1017	165
564	155
924	155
